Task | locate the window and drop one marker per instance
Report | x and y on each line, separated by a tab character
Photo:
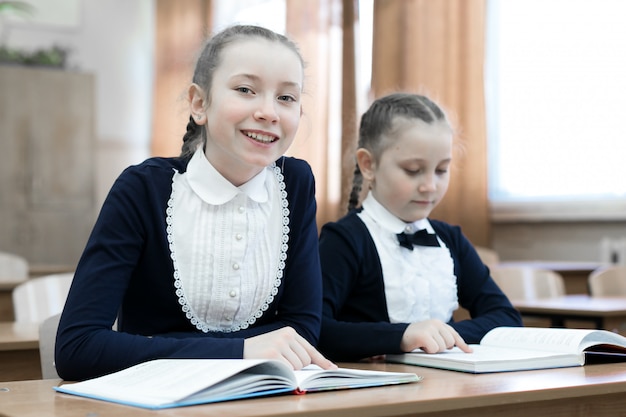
556	106
268	13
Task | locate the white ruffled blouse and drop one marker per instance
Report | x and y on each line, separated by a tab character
419	284
228	244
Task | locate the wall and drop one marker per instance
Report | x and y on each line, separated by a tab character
559	241
47	199
114	40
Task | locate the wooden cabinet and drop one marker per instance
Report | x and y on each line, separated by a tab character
47	173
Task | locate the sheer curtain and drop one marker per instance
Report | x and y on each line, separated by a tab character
325	32
436	48
181	29
432	47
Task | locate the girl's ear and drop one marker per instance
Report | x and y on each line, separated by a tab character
366	162
197	102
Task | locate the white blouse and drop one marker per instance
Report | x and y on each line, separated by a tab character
419	284
228	244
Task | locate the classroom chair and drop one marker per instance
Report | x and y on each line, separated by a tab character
527	283
39	298
13	268
47	339
608	281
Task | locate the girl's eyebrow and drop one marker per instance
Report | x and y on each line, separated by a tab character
422	160
256	78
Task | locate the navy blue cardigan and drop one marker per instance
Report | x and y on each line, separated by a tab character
126	271
355	319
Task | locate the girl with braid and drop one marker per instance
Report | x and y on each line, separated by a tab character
392	277
212	254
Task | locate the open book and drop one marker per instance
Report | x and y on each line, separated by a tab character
524	348
167	383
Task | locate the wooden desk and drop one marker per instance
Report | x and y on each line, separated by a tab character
38	270
593	390
574	274
19	352
6	299
602	312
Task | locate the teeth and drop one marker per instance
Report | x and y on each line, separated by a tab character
261	138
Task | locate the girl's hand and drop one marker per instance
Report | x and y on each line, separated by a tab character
286	345
432	336
374	359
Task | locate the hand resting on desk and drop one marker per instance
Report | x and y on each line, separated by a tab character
287	345
432	336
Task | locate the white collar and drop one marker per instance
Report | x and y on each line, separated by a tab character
213	188
388	221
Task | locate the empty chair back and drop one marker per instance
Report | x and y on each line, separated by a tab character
13	268
47	340
39	298
527	283
608	281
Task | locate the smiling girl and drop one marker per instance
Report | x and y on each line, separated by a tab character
212	254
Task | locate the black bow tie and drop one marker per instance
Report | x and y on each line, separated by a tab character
420	238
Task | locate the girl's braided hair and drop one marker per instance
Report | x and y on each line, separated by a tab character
377	123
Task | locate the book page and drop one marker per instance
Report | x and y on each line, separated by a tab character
161	381
534	338
487	353
603	337
485	358
314	378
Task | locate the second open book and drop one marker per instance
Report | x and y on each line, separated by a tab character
525	348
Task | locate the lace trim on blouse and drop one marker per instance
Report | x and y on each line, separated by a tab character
187	308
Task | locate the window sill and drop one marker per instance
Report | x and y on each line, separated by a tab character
558	211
